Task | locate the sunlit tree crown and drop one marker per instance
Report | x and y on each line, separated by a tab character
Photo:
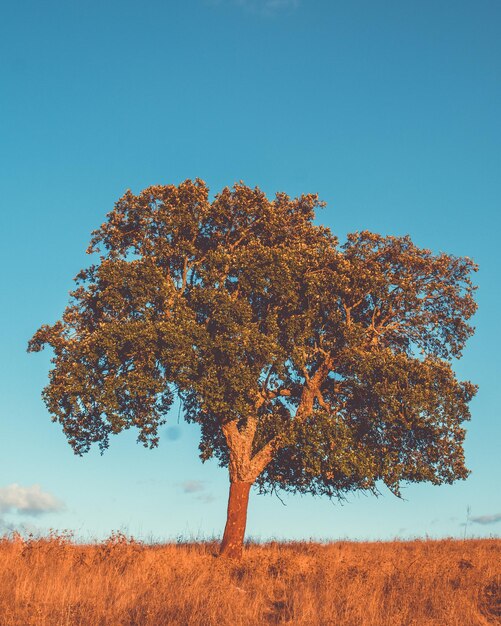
247	310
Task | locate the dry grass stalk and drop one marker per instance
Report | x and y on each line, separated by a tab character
53	581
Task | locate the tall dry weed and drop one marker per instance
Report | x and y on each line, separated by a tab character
52	581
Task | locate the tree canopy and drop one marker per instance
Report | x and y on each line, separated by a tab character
310	366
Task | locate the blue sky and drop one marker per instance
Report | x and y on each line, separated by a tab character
389	110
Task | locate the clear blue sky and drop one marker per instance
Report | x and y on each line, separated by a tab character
390	110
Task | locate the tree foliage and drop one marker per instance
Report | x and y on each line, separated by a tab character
310	366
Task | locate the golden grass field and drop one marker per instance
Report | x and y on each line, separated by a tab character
52	581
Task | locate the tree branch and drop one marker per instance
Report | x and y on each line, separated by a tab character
261	459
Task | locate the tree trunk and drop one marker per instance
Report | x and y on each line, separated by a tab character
234	531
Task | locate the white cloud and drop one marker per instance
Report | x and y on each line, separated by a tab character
192	486
23	528
487	519
27	500
198	489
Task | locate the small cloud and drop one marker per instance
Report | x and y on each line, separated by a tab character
23	528
486	519
198	489
206	498
192	486
27	500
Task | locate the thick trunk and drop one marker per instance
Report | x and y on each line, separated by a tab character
234	531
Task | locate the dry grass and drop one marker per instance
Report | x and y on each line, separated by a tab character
53	581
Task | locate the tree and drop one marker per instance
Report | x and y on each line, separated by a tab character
309	366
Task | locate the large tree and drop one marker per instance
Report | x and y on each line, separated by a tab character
309	366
